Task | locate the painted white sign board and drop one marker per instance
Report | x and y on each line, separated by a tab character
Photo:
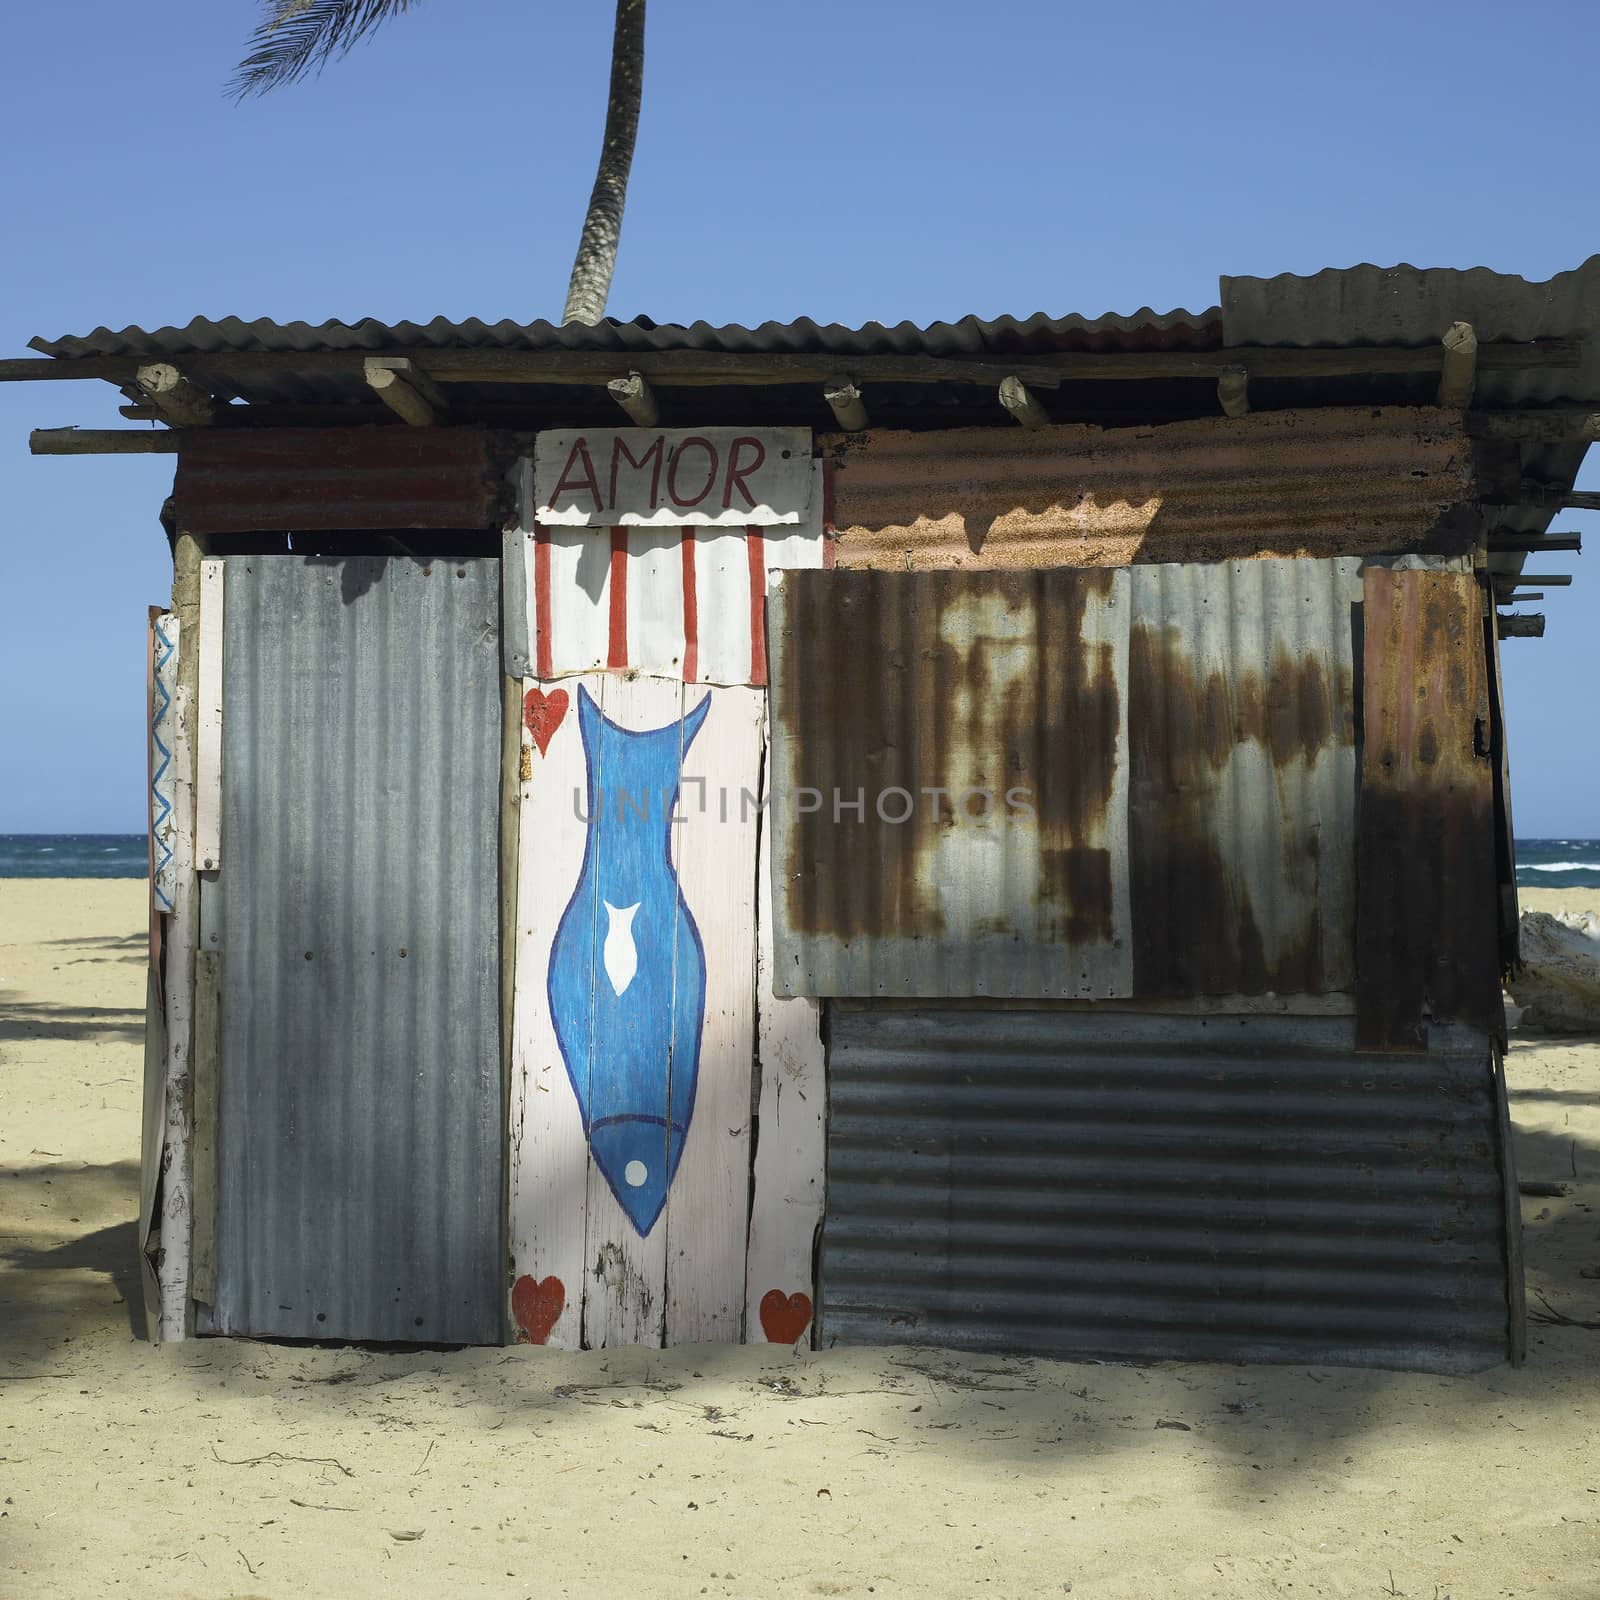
672	477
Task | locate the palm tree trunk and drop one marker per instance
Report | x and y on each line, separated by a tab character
602	228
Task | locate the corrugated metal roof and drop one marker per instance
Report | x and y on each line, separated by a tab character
361	1131
970	336
1190	1188
1408	305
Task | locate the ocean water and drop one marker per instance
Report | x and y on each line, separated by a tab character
1541	863
1558	863
73	855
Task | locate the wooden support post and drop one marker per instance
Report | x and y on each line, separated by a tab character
637	398
178	401
1520	596
1458	375
102	442
1528	625
1233	391
844	401
1016	397
406	389
1555	580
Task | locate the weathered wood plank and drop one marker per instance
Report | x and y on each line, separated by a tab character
208	720
707	1218
549	1154
789	1184
178	945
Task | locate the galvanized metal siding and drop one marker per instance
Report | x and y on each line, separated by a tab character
361	1131
1235	1189
1286	483
1242	798
949	779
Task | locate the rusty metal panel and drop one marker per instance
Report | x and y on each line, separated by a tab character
1242	795
360	1138
1141	1187
1361	480
1427	930
949	783
317	479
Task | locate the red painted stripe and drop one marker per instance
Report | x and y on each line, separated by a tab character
543	648
755	544
617	646
691	613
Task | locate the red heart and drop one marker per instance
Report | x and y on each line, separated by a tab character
783	1320
536	1306
543	714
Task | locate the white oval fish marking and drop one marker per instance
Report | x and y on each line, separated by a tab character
621	955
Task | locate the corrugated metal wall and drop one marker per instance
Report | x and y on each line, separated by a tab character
1429	932
1242	799
963	739
1185	738
1233	1188
361	1129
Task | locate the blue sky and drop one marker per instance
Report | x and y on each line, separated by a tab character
847	160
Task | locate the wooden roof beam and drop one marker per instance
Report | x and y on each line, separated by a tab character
1233	391
844	401
103	442
637	398
1529	625
1458	375
1551	425
173	397
406	389
705	368
1532	543
1019	401
1550	494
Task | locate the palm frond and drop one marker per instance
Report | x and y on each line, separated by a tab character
297	38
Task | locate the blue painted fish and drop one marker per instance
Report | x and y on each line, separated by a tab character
627	977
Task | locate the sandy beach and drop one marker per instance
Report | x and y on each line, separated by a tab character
229	1468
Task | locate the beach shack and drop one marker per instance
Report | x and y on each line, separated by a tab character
992	835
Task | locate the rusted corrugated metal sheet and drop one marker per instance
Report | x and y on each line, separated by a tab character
315	479
1286	483
949	783
1186	736
1241	831
360	1145
1226	1189
1427	930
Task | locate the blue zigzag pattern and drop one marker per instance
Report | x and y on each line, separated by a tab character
160	805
